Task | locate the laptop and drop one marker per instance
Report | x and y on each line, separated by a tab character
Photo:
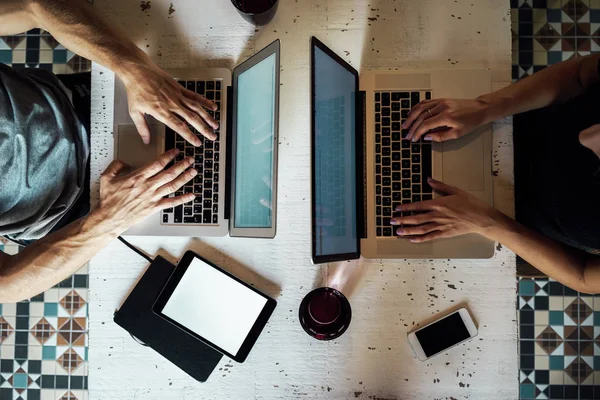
362	170
236	185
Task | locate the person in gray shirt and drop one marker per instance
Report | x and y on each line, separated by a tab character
45	148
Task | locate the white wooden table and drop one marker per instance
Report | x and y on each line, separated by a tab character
372	359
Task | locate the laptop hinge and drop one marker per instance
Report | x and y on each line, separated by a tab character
361	192
228	153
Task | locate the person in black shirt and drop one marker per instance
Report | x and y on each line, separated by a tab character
557	138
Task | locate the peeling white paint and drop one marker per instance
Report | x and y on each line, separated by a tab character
372	359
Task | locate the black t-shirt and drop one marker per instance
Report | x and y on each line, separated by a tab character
557	180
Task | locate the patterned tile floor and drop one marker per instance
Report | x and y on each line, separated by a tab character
559	341
43	341
549	31
38	49
559	329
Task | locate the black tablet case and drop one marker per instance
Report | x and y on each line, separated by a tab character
136	316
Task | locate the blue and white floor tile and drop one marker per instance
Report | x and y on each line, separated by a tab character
44	341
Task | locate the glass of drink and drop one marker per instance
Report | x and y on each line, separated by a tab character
257	12
325	313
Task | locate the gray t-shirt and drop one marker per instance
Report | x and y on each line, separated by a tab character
43	153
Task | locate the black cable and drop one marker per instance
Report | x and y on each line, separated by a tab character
147	257
132	247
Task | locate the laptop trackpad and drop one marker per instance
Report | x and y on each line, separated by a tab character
403	248
131	150
463	161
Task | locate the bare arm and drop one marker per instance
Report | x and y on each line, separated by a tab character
150	90
15	17
555	84
548	256
52	259
125	199
460	213
453	118
76	26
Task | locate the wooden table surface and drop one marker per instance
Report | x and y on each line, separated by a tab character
389	298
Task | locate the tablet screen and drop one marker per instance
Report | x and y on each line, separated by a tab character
255	126
214	306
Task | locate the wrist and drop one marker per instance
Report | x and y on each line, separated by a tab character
491	109
101	224
128	70
499	226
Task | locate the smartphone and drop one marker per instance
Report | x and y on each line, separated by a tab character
442	334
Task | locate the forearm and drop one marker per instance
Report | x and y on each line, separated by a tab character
555	84
54	258
545	254
15	17
79	28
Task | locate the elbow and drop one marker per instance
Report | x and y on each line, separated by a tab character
589	283
9	298
9	293
582	275
586	286
6	297
587	289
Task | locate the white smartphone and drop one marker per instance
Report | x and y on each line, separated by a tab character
442	334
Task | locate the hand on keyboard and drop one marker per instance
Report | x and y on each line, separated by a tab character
126	198
447	118
457	213
150	90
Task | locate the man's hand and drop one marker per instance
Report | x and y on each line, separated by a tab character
457	213
126	198
150	90
447	118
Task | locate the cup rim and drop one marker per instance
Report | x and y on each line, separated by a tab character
344	303
248	13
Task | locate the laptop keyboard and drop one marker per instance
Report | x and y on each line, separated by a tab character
204	209
401	166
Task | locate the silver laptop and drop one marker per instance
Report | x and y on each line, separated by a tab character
236	185
362	170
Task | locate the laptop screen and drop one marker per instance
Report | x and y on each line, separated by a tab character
255	126
335	85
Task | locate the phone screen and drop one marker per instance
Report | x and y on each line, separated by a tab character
442	334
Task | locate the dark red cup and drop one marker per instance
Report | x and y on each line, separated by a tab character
257	12
325	313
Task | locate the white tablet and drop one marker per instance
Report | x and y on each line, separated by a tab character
214	306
